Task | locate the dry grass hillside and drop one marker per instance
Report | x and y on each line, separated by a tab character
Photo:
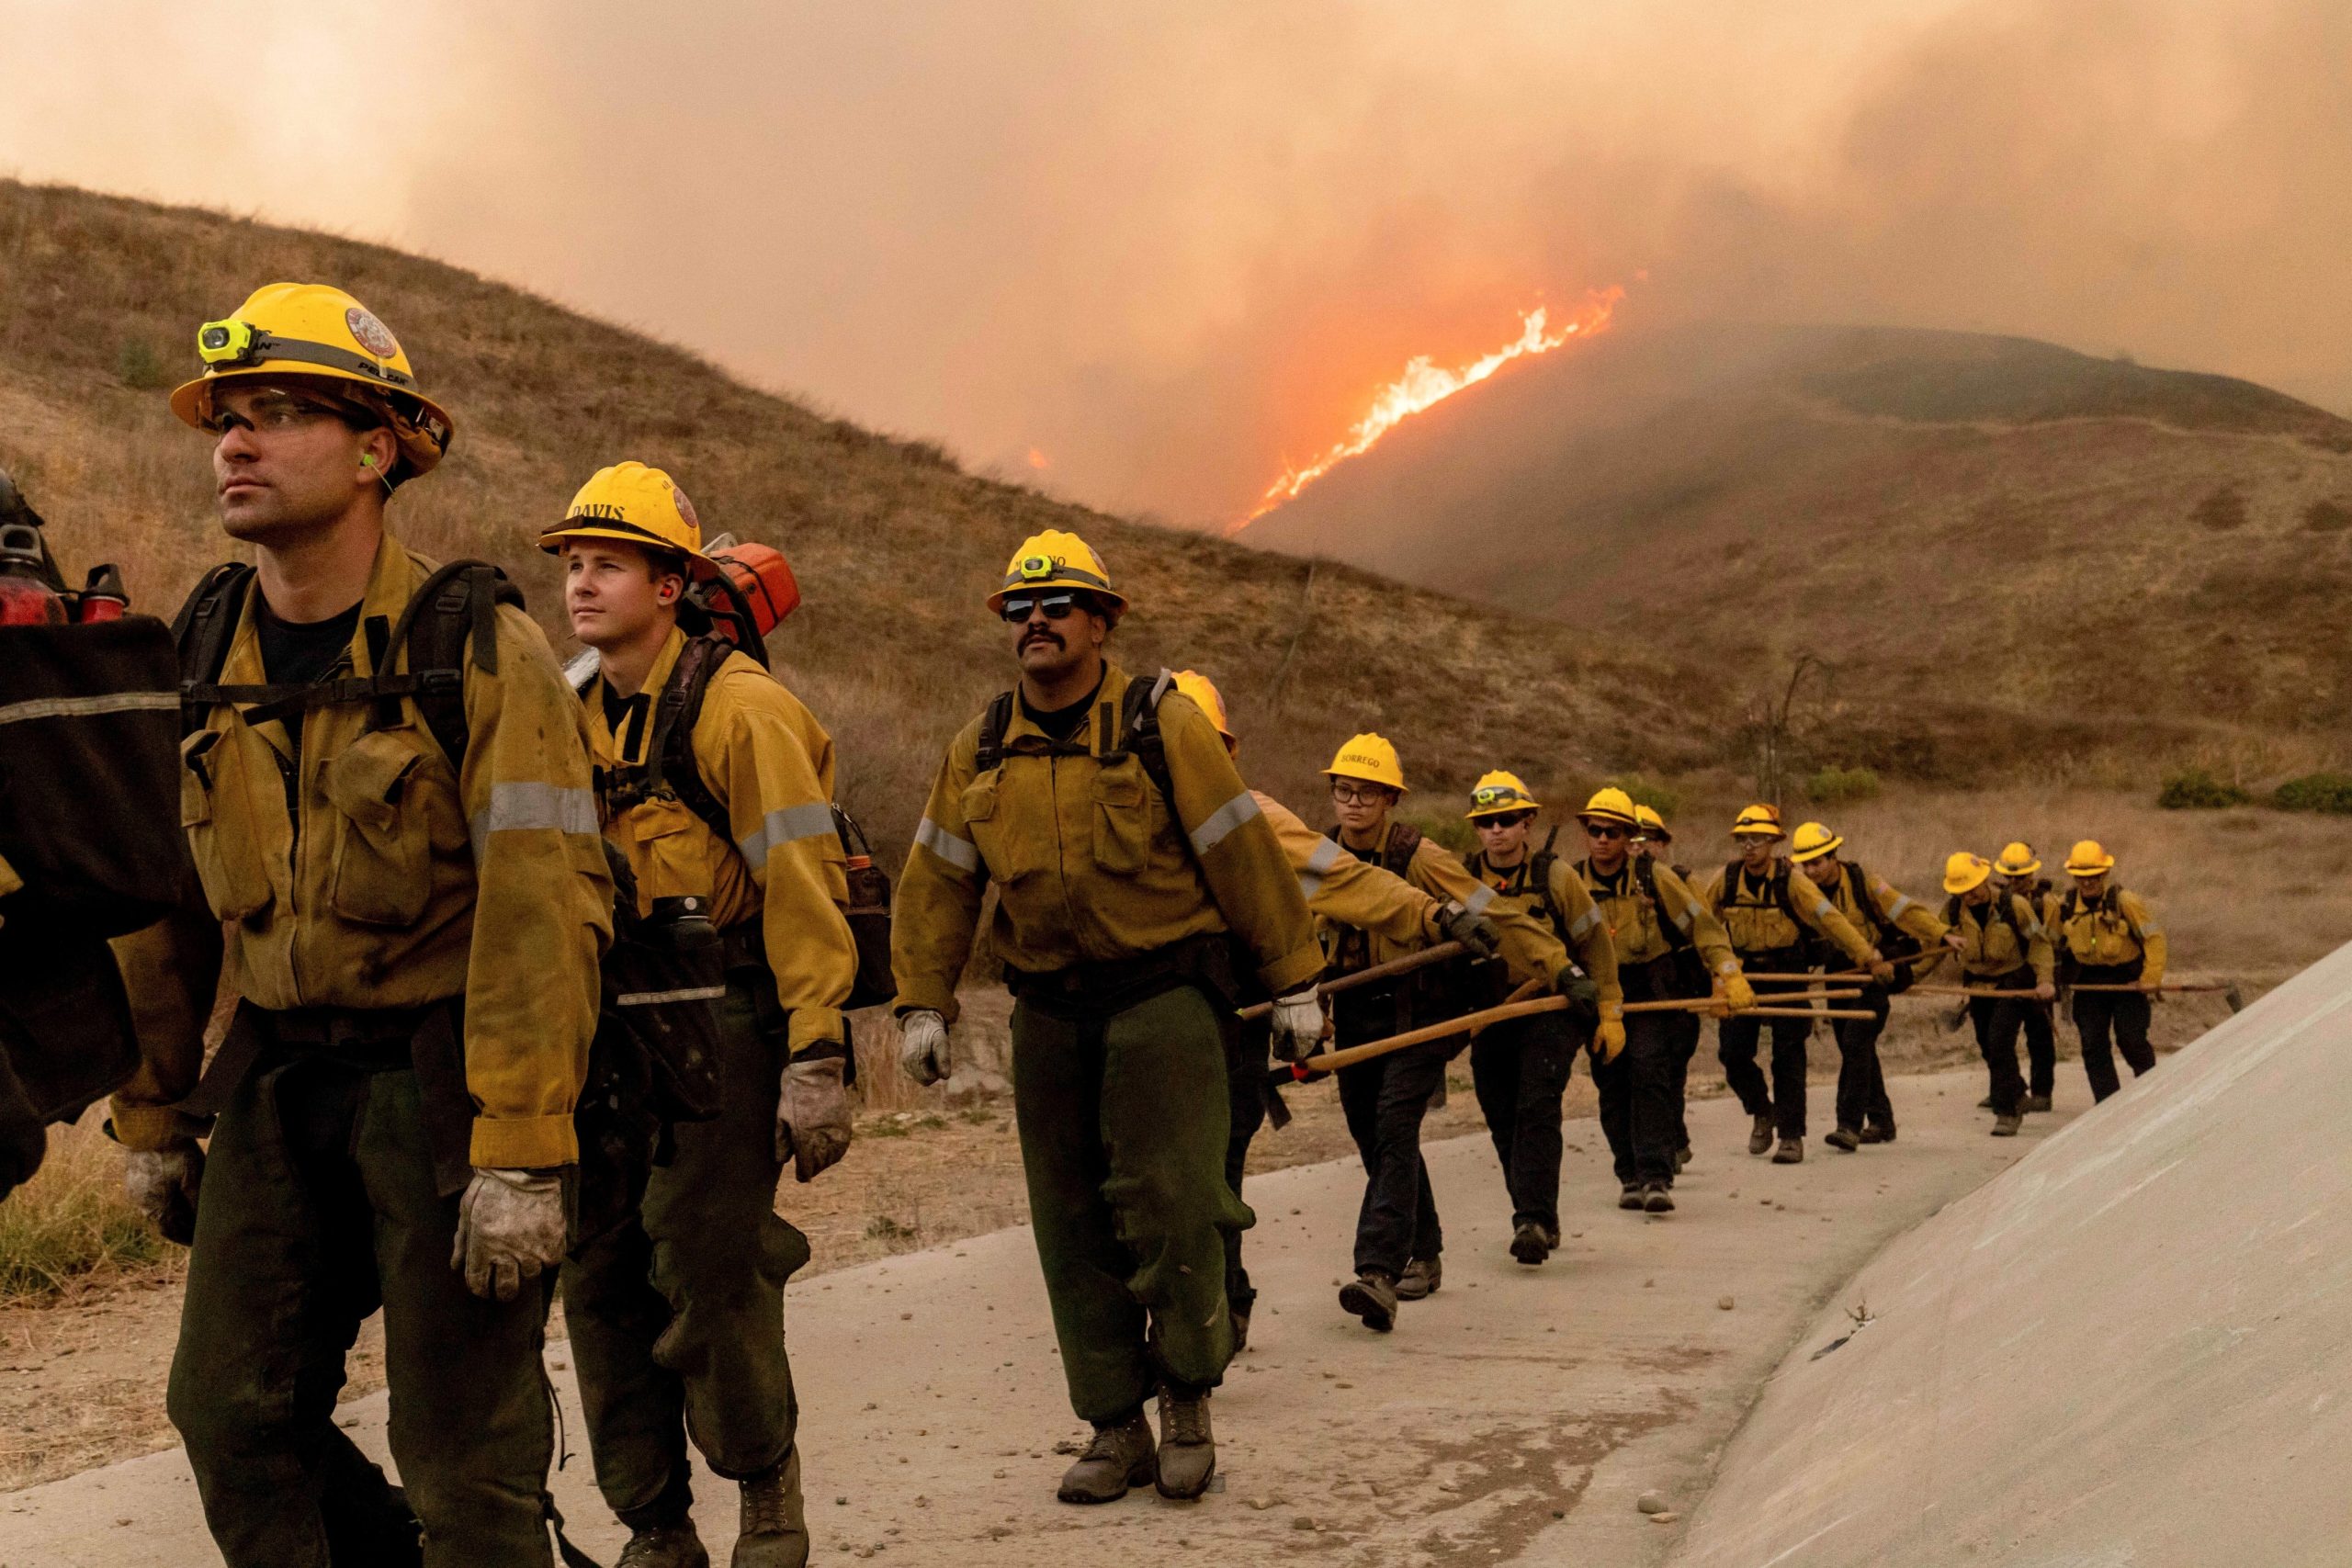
895	546
2005	552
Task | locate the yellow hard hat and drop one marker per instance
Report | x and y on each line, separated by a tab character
2087	858
1611	804
1757	821
1813	841
2018	859
1371	758
1209	700
313	333
1499	794
1964	871
637	506
1057	560
1652	825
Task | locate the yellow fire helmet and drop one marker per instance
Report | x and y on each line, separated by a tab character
1813	841
1210	701
2018	859
1499	794
637	506
1371	758
1758	821
309	331
1652	825
1057	560
1611	804
1964	872
2087	858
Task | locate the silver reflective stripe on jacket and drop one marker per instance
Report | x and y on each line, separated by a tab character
1326	854
785	825
1241	808
961	853
527	806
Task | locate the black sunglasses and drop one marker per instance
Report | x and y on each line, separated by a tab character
1606	830
1058	607
1507	819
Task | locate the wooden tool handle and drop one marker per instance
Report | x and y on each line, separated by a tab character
1389	970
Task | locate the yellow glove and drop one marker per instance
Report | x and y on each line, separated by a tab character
1738	995
1609	1035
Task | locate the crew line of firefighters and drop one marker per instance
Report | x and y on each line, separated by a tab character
400	811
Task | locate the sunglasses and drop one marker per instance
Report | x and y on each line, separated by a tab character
1506	819
1606	830
1056	606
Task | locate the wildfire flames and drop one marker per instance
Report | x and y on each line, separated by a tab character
1423	384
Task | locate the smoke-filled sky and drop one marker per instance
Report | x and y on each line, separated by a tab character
1165	247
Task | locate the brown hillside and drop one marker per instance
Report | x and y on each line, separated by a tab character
2004	549
895	547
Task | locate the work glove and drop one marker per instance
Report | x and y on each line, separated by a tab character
1298	1025
1881	970
812	1115
1584	997
1737	994
1609	1037
510	1228
922	1045
161	1185
1474	933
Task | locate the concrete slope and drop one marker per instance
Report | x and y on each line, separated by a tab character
2131	1349
1515	1416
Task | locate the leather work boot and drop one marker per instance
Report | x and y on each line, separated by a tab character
1681	1160
1879	1133
1630	1195
1552	1238
1985	1103
774	1530
665	1545
1187	1450
1791	1152
1119	1457
1421	1276
1527	1244
1657	1198
1759	1137
1844	1138
2007	1126
2035	1102
1372	1296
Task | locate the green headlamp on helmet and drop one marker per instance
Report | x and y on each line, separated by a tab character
221	345
1494	795
1035	567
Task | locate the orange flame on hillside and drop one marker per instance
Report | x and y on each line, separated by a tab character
1423	384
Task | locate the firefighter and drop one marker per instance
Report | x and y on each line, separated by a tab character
2003	948
1343	890
1900	923
1400	1241
677	1314
1774	918
1653	843
414	902
2020	872
2107	936
1130	862
1519	1068
1670	948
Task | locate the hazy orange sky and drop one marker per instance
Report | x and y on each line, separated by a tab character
1168	246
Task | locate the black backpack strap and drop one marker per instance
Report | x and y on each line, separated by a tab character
455	606
1139	731
669	750
201	632
1647	875
1404	839
994	719
1538	868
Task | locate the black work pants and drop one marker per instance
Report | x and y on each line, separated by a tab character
1384	1100
1520	1070
2041	1046
1638	1102
1861	1080
2110	1021
1737	1040
1683	1029
1998	1020
1248	1060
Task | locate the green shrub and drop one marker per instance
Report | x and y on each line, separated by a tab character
2327	517
141	367
2221	510
2328	791
1836	786
2195	789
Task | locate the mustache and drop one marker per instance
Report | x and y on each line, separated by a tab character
1041	634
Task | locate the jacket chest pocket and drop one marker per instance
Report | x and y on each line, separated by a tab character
1123	819
669	849
1006	855
382	868
223	776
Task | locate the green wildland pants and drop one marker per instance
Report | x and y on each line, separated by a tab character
1123	1118
677	1316
320	1206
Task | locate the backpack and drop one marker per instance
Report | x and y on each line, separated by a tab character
1893	942
1685	967
670	769
1138	735
2109	903
1776	888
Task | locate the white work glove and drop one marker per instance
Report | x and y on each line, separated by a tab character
161	1184
510	1228
922	1045
812	1116
1298	1025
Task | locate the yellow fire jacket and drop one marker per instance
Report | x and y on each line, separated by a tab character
1529	950
361	872
1089	863
1899	910
2117	929
769	764
1993	948
1585	931
1346	891
1752	917
1635	920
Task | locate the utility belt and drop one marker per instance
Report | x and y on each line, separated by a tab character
1102	987
2107	973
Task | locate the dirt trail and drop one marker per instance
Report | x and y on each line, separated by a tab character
1517	1414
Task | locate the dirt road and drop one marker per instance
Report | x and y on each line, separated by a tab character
1516	1416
